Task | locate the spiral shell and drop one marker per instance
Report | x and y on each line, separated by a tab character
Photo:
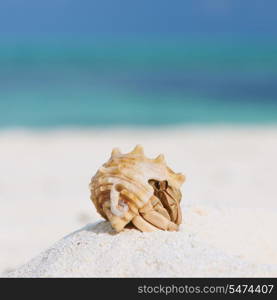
133	188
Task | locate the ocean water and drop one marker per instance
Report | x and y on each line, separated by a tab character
58	84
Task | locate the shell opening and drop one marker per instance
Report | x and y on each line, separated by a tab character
158	185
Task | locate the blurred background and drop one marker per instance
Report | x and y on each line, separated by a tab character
83	63
195	80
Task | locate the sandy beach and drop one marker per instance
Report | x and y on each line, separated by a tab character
229	200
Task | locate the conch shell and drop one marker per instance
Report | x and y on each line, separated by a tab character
131	188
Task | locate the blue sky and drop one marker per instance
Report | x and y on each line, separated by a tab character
125	17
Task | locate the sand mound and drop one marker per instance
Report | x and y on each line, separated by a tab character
97	251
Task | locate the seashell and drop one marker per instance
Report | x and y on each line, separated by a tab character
131	188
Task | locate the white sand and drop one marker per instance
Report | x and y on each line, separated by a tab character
96	251
229	204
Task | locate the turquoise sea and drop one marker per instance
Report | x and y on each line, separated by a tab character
56	84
